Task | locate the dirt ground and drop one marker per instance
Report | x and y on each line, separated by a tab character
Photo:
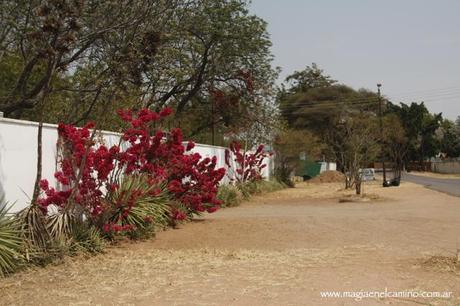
283	248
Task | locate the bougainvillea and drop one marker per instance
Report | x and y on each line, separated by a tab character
248	165
86	167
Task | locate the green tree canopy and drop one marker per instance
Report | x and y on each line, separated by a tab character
450	138
420	127
81	60
311	77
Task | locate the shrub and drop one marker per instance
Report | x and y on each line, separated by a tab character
87	239
149	180
271	185
256	187
247	165
191	180
247	189
10	242
88	173
230	195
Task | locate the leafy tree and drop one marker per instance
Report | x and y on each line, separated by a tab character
355	143
395	142
53	38
74	61
314	102
450	138
220	77
319	108
309	78
420	127
289	144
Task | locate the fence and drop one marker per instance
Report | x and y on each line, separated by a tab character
451	166
18	158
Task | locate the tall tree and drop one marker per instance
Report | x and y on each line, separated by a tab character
420	127
309	78
395	142
91	57
450	138
355	143
52	39
215	68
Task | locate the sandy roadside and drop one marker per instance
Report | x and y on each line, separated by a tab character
283	248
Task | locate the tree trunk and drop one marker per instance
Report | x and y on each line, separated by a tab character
39	164
358	186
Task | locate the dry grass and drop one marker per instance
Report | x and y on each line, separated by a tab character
126	276
372	193
353	198
440	263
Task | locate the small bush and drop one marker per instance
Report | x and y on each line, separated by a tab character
256	187
10	243
271	185
230	195
247	189
284	176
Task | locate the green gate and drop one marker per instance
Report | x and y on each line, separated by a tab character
308	169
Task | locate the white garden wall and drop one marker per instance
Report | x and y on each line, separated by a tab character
18	158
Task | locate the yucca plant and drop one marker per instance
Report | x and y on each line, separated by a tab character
34	232
60	225
139	204
10	242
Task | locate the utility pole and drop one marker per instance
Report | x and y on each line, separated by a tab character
381	134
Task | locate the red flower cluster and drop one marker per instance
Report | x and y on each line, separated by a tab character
86	167
84	170
191	180
248	165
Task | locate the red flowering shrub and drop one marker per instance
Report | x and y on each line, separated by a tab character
84	171
190	179
247	165
86	168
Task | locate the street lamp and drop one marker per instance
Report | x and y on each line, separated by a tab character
385	183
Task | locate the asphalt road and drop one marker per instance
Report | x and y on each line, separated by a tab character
449	186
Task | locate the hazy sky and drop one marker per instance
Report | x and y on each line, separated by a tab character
411	46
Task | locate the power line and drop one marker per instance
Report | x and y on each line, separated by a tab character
363	101
426	90
448	93
438	94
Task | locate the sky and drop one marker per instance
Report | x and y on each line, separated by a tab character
411	47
